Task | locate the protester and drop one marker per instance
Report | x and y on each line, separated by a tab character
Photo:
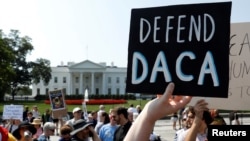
24	131
83	131
13	125
29	117
39	131
46	117
101	109
25	112
107	131
48	130
104	119
144	124
121	118
35	112
198	130
65	133
77	114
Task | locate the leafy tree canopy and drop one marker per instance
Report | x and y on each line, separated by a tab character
16	72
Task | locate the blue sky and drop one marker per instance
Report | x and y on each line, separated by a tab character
76	30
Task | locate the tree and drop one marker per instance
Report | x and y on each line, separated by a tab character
19	71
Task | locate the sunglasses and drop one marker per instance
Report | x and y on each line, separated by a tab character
52	130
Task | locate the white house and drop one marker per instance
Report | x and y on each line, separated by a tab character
98	78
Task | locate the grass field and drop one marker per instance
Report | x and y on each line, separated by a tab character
42	106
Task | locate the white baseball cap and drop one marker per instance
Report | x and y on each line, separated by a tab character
76	109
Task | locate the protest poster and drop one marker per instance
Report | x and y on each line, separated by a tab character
239	72
58	105
13	112
184	44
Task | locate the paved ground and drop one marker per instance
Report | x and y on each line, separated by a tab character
165	130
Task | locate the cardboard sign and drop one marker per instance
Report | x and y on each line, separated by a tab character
57	102
239	72
184	44
13	112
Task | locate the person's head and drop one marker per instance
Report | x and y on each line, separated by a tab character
65	132
77	113
47	111
26	108
49	128
184	121
121	115
101	107
30	114
190	116
112	117
131	105
105	118
37	123
130	116
35	108
81	129
94	115
25	129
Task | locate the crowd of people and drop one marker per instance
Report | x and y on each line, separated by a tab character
119	124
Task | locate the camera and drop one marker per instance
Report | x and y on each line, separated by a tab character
27	134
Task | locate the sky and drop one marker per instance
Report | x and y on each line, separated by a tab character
65	31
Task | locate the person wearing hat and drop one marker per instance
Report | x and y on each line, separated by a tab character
24	131
48	130
39	131
77	114
83	131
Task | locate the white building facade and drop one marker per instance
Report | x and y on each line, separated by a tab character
76	78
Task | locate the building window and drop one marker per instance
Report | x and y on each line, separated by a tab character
38	91
55	79
125	79
47	91
96	91
117	80
77	79
64	79
97	80
109	80
77	91
55	88
117	91
109	90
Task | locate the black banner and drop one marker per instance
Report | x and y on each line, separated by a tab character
184	44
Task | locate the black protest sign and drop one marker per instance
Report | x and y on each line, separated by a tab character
184	44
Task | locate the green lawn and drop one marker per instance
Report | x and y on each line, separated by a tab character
42	106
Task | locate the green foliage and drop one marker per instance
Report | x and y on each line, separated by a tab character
15	74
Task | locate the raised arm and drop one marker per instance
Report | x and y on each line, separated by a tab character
154	110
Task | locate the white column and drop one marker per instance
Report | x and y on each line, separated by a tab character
103	83
69	89
81	80
92	83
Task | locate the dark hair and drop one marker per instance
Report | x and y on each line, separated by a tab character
123	111
106	117
65	129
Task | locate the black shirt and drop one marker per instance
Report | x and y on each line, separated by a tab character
122	131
